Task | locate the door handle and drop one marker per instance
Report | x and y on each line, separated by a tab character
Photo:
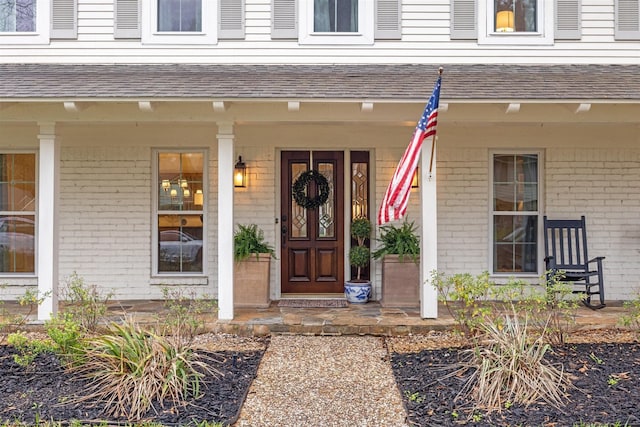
283	229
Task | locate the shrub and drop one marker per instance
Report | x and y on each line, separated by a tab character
130	369
465	298
631	318
67	336
184	313
360	254
27	348
85	303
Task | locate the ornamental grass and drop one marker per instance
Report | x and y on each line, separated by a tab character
509	367
131	370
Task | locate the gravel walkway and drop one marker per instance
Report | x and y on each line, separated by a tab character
324	381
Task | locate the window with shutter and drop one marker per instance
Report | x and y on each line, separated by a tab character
180	22
518	22
568	20
336	21
627	20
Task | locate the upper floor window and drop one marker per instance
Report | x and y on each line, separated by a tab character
179	15
337	22
335	16
515	212
516	16
515	22
24	21
180	22
17	16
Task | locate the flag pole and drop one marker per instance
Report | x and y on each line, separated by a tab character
433	141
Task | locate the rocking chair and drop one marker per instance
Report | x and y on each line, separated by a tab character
565	245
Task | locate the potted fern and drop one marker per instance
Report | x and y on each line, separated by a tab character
251	271
399	250
358	290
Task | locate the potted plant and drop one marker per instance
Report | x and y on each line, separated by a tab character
400	253
251	271
358	290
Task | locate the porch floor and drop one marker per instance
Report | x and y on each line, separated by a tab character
355	319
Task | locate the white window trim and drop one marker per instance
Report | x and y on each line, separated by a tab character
151	35
365	35
539	212
155	212
544	35
40	36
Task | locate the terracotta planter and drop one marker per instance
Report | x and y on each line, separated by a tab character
400	282
251	282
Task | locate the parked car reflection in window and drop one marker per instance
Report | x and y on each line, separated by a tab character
179	251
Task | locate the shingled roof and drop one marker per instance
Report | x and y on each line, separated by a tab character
367	81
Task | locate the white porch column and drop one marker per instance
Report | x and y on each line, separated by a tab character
225	221
429	235
48	205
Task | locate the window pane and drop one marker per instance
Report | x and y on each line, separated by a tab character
180	243
515	183
299	222
17	15
335	16
17	244
515	242
17	182
179	15
326	212
359	190
180	181
516	15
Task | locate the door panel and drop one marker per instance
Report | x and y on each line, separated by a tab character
312	239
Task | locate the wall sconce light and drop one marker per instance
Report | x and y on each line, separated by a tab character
240	174
504	21
166	184
415	183
198	198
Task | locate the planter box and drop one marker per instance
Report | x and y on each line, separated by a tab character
400	282
251	282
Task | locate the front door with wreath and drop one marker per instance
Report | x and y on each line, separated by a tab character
312	222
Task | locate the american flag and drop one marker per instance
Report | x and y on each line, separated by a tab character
394	204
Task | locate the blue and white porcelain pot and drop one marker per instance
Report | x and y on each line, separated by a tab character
357	292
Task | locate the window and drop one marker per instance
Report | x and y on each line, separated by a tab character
18	16
180	21
515	212
179	232
515	22
335	16
337	21
24	21
17	212
179	15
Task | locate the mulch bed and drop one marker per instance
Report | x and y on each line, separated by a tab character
431	400
46	391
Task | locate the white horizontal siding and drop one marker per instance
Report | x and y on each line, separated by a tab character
425	39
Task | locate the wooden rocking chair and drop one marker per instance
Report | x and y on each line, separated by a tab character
565	245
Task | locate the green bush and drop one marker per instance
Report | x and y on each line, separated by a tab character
402	241
184	317
249	240
85	303
360	254
67	336
28	349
